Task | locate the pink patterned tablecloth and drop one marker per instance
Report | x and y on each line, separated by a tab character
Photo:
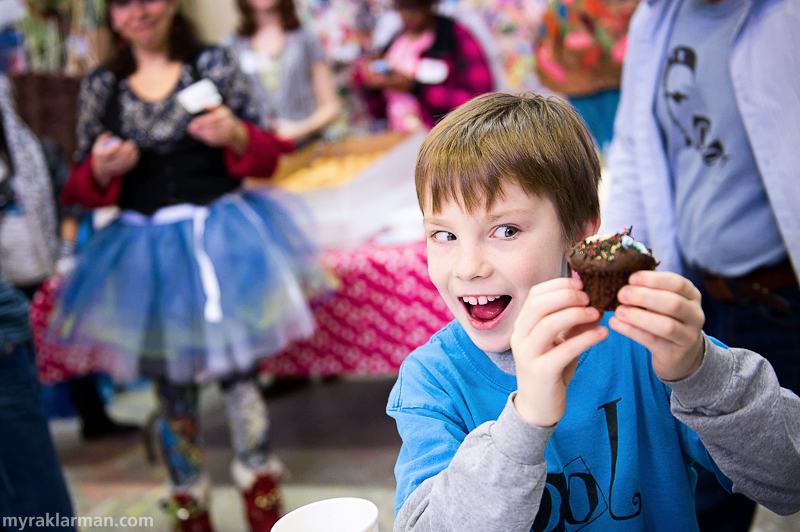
385	308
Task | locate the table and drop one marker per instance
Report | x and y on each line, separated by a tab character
371	229
386	307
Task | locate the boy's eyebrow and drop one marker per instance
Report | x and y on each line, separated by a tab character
493	217
432	220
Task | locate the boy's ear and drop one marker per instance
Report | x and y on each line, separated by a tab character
589	228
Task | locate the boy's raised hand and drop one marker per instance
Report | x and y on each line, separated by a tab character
553	328
661	311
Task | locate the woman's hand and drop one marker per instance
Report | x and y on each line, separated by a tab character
289	129
220	127
111	157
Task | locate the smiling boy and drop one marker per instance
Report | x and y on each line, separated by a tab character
531	410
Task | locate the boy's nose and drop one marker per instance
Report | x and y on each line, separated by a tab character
472	263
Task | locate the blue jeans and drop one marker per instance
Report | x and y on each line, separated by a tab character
31	482
775	335
770	332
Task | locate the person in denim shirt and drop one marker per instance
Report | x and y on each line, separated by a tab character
702	166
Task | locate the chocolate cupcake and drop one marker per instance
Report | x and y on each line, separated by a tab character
606	262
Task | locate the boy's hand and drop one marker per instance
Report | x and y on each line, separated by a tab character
661	311
553	328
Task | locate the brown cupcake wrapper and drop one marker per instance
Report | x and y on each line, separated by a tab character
602	288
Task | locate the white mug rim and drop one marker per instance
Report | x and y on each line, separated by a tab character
372	506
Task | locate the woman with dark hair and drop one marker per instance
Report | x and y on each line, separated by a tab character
432	65
197	279
294	83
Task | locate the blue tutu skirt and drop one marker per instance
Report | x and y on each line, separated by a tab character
193	291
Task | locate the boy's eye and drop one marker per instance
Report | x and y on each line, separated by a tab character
505	231
443	236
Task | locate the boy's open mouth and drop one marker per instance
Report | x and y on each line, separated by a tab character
485	308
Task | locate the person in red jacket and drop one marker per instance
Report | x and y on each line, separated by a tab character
430	67
197	279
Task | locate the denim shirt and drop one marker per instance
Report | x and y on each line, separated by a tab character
765	74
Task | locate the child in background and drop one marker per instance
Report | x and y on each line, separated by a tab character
431	66
527	411
292	80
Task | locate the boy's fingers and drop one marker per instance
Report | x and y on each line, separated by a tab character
652	342
579	329
568	351
559	283
537	307
662	302
548	331
658	325
668	281
553	365
670	362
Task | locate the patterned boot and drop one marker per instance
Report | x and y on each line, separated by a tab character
262	497
189	509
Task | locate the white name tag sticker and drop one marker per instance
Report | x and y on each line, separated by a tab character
250	62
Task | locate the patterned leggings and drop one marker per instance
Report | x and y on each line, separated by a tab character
177	427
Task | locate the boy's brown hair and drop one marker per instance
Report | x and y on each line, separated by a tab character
537	142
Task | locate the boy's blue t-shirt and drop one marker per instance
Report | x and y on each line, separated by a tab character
618	459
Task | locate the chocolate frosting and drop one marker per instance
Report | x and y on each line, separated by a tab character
606	253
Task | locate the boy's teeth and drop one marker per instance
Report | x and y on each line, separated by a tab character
479	300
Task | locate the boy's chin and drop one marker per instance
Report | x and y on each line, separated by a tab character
491	341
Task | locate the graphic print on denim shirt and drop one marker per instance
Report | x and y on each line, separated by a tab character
685	107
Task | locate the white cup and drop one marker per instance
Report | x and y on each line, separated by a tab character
345	514
199	96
